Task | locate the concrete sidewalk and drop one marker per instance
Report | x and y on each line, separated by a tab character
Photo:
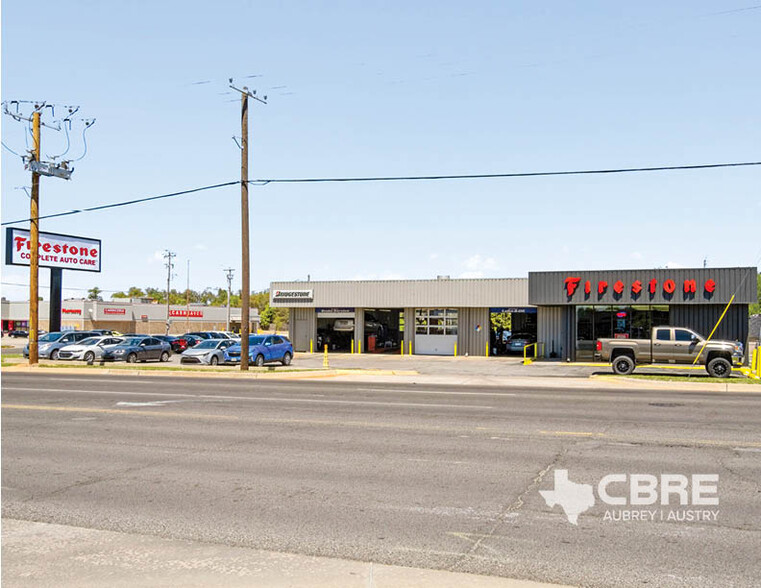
42	554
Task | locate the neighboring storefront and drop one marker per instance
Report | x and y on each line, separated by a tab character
565	312
129	316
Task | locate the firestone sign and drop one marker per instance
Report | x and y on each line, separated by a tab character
55	251
669	286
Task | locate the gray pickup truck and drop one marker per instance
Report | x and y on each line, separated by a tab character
670	345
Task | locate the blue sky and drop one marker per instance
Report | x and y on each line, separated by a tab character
393	88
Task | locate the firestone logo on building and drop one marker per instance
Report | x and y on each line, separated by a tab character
669	286
639	491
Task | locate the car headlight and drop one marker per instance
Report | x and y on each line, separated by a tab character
44	347
118	351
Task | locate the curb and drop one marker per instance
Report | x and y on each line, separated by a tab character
306	374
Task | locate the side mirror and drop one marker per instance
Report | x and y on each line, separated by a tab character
694	339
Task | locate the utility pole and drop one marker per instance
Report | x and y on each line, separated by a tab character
168	255
33	162
34	260
230	272
187	302
245	269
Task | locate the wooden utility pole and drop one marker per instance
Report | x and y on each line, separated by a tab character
245	287
34	261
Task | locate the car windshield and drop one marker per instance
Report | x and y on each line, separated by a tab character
89	341
209	344
132	341
51	337
255	340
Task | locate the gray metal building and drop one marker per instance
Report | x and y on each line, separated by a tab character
567	310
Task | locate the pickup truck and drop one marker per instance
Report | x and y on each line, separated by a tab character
670	345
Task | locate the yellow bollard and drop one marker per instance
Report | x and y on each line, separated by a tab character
311	346
359	347
487	350
402	347
410	349
352	346
325	362
455	349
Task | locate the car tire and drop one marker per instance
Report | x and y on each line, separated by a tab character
287	358
719	367
164	356
259	361
132	358
623	365
89	357
214	360
54	354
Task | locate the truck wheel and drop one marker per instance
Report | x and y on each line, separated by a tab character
719	367
623	365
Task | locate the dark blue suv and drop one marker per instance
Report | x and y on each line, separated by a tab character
263	349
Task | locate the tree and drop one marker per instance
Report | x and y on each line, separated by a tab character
756	308
94	293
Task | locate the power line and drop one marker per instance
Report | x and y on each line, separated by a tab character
264	182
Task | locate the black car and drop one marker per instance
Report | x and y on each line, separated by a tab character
18	333
192	340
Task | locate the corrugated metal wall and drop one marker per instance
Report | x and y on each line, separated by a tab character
403	293
555	328
359	330
470	341
409	329
703	318
302	328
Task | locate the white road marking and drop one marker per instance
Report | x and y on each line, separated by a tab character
254	398
437	392
151	403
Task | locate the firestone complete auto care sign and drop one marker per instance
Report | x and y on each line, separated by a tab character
55	251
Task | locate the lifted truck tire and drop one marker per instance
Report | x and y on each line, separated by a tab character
719	367
623	365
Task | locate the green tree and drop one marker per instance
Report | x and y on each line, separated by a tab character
756	308
94	293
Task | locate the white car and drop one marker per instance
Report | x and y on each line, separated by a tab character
89	349
208	352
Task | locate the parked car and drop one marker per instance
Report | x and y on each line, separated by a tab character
671	345
208	352
50	344
108	332
134	349
18	333
201	335
343	325
89	349
262	349
518	341
192	340
178	344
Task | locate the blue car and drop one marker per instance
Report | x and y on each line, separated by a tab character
262	349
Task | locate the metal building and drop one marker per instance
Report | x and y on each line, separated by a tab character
563	311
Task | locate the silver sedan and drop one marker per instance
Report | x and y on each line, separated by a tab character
207	352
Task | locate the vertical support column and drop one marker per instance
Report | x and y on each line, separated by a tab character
359	329
56	296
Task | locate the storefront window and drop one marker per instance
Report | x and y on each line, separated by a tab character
603	322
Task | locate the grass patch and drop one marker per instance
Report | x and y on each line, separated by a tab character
11	356
172	368
695	378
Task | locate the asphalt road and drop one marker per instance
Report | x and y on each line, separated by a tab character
424	476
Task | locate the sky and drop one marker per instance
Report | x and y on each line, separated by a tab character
386	89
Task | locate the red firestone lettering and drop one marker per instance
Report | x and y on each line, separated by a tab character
669	286
710	286
636	287
587	287
602	285
653	285
20	242
690	286
571	284
618	287
45	247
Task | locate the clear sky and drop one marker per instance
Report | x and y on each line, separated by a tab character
393	88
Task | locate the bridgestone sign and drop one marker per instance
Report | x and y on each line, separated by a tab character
293	295
55	251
